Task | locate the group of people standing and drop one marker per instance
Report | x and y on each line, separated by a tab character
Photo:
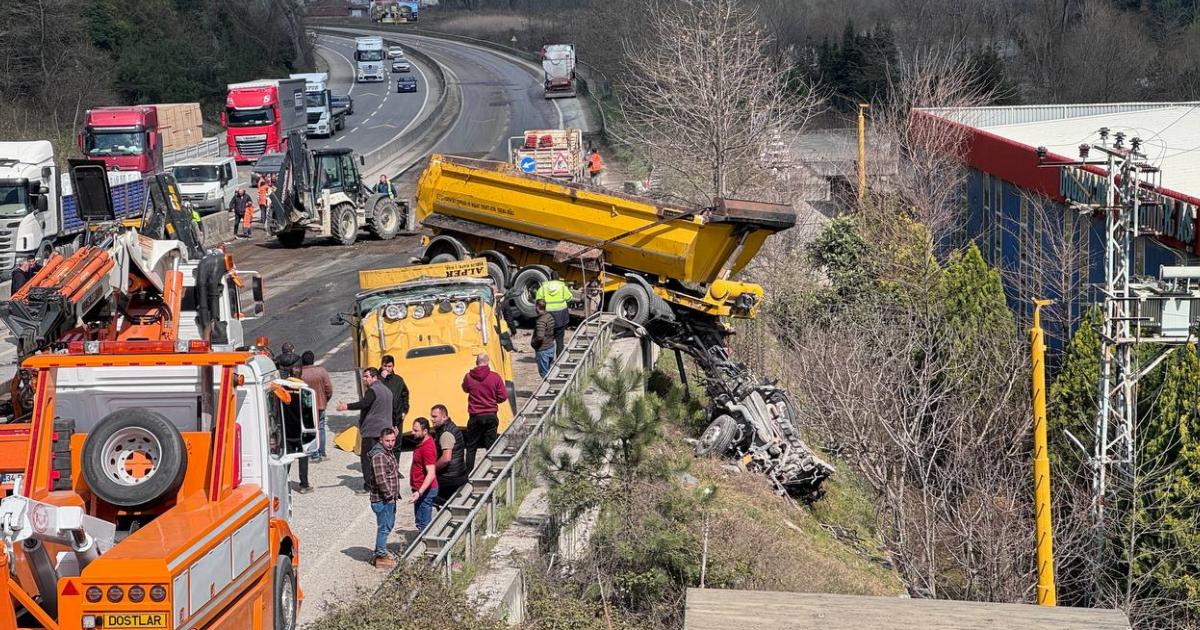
242	205
443	454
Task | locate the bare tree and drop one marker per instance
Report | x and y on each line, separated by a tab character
703	100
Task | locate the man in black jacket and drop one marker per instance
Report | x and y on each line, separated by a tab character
21	275
374	415
451	465
396	385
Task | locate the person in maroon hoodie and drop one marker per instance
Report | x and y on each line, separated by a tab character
485	391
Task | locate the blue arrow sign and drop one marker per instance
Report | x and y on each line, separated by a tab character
528	164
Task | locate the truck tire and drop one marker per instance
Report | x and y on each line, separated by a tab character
133	457
630	302
291	239
524	285
285	594
344	225
718	437
496	273
442	258
387	221
498	267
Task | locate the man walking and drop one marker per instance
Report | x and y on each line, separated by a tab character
386	472
451	462
595	166
318	379
485	391
287	356
557	296
238	205
423	474
375	415
543	339
396	385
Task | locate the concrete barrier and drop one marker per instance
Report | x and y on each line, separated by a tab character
216	228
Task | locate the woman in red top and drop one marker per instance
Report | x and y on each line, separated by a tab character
423	474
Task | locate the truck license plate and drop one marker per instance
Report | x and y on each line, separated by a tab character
135	620
7	478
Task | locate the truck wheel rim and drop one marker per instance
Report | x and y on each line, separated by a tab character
131	456
388	220
628	308
710	437
347	223
287	599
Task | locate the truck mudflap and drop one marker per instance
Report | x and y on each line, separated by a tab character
753	419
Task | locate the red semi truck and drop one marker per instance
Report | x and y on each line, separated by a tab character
260	114
134	137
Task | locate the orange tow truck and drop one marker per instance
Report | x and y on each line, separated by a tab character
177	512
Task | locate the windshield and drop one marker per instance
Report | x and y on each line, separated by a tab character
314	99
14	200
427	294
249	117
368	55
195	174
115	142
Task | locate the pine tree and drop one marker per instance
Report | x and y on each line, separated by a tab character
1168	548
1072	395
973	298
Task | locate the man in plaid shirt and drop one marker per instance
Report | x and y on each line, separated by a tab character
384	493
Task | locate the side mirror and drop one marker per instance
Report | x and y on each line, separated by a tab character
258	293
362	161
43	202
79	140
47	173
223	123
338	320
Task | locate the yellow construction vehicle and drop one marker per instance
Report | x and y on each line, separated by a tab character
668	267
434	320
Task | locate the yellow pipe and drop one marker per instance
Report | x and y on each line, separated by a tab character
1041	463
862	151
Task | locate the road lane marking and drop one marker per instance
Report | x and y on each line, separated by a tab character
353	70
336	349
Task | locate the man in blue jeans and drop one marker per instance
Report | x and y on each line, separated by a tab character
543	339
423	474
384	492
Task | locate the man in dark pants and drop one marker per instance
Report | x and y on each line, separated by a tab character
451	464
374	415
293	419
395	384
485	391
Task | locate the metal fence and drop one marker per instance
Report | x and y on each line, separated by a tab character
209	147
472	511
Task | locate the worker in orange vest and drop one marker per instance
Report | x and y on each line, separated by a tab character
595	166
248	218
264	189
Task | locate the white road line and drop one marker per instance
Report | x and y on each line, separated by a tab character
336	349
353	70
341	137
424	102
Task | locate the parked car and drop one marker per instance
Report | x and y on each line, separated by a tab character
394	52
401	65
344	101
270	163
406	84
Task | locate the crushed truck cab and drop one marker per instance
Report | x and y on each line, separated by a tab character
434	319
177	512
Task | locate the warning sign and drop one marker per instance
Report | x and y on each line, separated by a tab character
560	166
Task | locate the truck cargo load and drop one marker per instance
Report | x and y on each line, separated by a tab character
556	153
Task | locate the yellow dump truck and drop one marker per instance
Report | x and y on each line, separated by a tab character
434	320
624	248
668	267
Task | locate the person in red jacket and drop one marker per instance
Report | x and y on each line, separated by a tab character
485	391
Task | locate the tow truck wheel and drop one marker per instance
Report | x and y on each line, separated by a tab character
345	225
133	457
717	438
630	302
291	239
285	594
442	258
387	220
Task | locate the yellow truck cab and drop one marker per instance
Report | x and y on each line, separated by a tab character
434	319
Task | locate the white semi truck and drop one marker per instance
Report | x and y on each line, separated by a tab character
323	119
558	68
37	209
369	55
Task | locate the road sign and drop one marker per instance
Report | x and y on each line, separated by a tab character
560	163
528	164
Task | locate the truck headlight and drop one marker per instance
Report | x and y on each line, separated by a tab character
213	194
395	311
459	308
419	311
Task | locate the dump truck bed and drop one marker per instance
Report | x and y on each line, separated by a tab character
692	245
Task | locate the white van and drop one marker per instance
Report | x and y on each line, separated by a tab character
207	183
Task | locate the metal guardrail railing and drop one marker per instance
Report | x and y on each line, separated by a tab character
209	147
455	528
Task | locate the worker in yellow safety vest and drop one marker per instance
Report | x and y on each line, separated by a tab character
557	295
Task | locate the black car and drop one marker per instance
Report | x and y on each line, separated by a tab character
270	163
406	84
344	101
